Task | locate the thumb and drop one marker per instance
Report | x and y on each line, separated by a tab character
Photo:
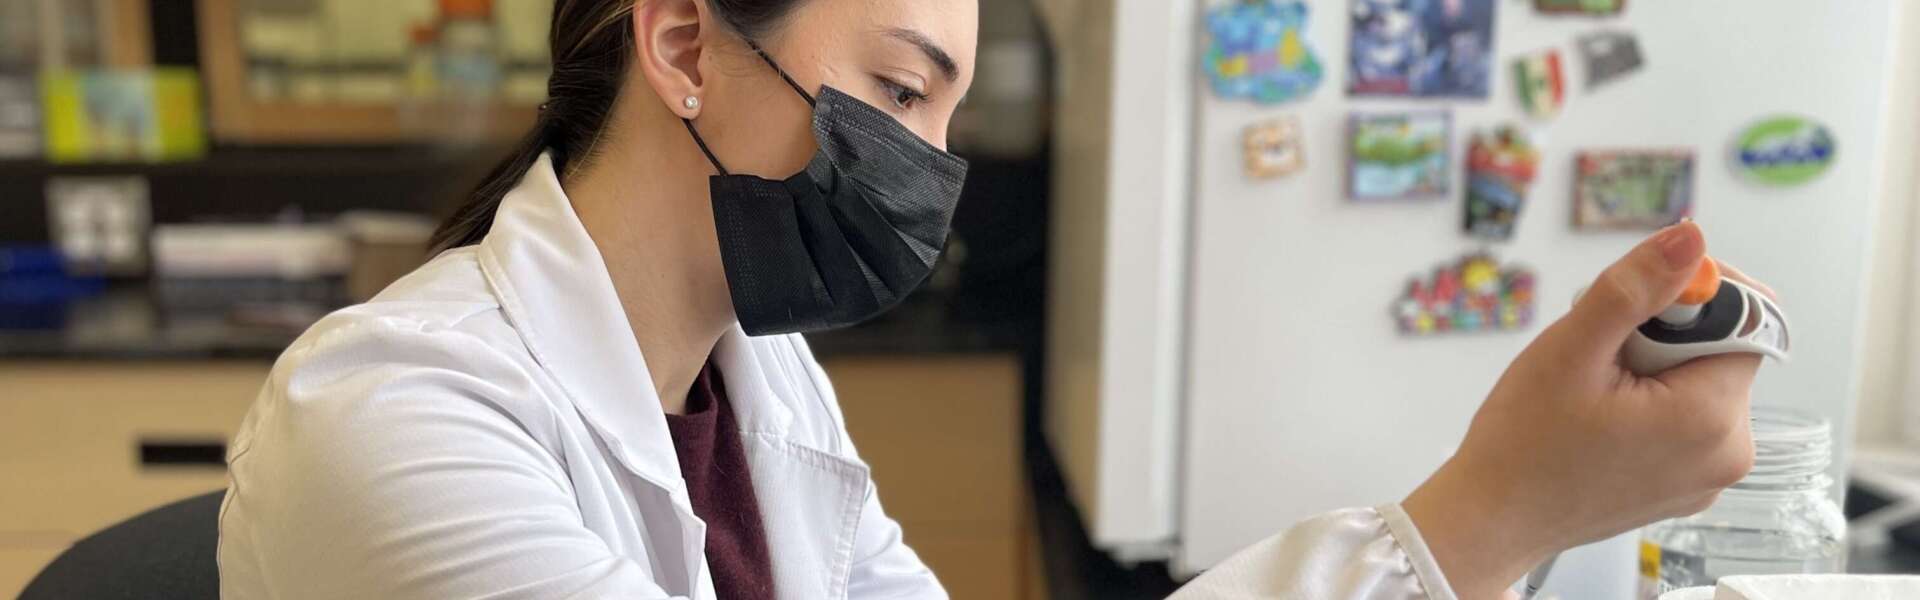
1637	287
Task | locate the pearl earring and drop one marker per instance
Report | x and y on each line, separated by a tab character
691	102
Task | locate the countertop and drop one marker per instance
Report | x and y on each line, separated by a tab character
126	323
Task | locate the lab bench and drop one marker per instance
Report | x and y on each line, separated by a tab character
122	409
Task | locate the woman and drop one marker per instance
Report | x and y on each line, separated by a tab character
595	391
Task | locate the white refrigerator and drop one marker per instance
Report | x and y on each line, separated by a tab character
1222	360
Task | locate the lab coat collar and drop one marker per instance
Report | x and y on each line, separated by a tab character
555	289
757	407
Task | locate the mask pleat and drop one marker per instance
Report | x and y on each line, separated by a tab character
769	275
834	263
847	237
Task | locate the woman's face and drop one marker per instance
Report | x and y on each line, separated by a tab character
911	58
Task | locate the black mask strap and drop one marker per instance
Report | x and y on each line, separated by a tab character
783	72
703	147
783	76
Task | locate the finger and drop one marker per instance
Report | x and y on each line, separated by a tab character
1632	290
1723	381
1692	504
1736	274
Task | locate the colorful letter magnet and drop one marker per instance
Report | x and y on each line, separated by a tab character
1257	49
1472	294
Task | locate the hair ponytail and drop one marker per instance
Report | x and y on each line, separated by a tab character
591	43
471	221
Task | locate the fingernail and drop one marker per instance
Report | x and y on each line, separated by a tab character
1676	245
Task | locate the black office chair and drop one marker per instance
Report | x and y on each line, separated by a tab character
163	554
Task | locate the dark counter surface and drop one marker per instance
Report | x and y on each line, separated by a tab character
991	302
126	323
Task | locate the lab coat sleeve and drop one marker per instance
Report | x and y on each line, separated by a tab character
388	462
883	565
1352	554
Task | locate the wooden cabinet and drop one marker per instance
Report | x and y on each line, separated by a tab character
941	433
943	437
239	116
71	437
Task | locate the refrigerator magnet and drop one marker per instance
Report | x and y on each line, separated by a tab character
1600	8
1428	49
1542	83
1609	55
1471	294
1272	148
1632	189
1398	156
1500	167
1257	49
1783	151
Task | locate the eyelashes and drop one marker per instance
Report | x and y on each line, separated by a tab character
902	97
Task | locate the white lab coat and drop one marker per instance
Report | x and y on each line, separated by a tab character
486	427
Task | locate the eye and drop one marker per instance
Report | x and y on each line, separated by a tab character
900	95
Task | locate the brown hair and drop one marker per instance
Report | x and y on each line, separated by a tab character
592	44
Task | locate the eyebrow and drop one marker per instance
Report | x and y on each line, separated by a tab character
933	51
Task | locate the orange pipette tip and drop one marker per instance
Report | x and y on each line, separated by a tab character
1705	283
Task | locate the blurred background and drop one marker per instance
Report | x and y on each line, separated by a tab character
1218	265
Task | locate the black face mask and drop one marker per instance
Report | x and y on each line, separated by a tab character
843	240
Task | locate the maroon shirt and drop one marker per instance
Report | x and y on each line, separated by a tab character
714	464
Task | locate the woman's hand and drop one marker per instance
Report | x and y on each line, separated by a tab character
1571	448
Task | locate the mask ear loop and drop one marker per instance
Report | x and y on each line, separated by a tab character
703	147
783	72
783	77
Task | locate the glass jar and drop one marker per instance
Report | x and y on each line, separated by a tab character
1780	519
469	51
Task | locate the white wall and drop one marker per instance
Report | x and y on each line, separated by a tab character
1303	398
1889	400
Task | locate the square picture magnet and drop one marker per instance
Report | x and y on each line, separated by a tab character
1609	55
1398	156
1636	189
1500	167
1433	48
1471	294
1257	49
1272	148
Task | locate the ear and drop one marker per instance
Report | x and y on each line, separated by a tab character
667	43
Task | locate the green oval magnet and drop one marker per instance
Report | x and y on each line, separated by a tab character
1784	150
